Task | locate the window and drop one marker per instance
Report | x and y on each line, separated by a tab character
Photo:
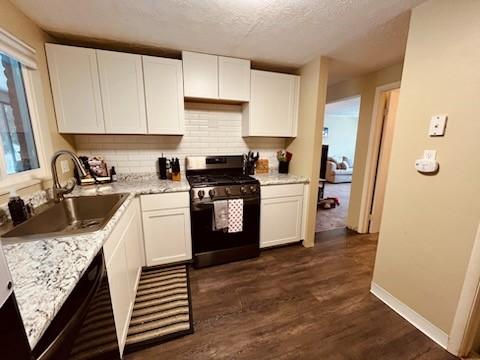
16	133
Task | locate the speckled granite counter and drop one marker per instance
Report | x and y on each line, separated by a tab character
274	178
46	271
137	184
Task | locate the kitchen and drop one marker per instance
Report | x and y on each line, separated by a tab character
159	180
149	225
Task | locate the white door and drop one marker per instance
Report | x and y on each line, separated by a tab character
383	161
76	89
273	108
167	236
123	97
164	95
200	75
233	79
281	220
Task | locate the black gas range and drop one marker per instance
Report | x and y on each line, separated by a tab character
220	179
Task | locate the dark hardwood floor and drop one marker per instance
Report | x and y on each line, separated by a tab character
296	303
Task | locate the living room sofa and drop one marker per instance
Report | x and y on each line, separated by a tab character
339	170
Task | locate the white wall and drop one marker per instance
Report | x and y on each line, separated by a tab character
342	135
210	129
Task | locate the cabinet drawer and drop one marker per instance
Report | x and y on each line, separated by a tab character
276	191
165	201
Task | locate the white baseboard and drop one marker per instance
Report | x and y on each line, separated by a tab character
422	324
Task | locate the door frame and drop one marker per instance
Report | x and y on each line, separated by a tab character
374	139
467	316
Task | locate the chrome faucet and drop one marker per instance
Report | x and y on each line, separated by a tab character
58	190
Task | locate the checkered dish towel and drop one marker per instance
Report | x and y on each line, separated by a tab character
235	215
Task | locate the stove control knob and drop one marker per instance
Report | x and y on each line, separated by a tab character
201	194
243	190
228	191
253	189
211	192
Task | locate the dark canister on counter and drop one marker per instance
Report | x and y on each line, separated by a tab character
283	167
17	208
162	167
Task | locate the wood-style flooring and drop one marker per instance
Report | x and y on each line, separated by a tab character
296	303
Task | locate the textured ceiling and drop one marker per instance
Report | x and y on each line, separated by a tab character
349	107
359	35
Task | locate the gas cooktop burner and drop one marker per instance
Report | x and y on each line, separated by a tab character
221	179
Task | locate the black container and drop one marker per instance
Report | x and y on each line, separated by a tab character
162	167
283	167
18	210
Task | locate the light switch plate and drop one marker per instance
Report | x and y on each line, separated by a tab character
437	125
65	166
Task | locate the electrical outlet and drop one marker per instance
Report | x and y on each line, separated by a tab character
65	166
430	154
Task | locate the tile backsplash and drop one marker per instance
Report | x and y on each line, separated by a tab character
210	129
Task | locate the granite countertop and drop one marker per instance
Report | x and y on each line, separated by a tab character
45	271
274	178
137	184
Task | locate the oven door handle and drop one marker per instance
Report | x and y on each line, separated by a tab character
209	205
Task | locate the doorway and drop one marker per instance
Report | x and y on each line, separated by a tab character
387	104
337	163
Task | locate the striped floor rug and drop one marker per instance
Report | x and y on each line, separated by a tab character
162	309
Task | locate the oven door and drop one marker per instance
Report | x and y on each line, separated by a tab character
225	246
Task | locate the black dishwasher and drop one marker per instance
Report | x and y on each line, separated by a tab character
84	328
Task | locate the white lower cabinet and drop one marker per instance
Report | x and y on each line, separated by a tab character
123	258
281	214
166	227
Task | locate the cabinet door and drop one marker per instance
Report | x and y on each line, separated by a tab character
122	302
123	97
233	79
200	75
164	95
273	108
76	89
124	262
281	221
133	236
167	236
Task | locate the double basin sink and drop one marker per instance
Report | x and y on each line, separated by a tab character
71	216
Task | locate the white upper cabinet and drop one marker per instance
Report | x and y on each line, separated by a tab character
123	97
273	107
164	95
200	75
216	77
233	79
76	89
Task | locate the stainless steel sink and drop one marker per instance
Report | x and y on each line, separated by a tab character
73	215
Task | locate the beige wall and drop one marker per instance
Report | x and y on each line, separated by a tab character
306	146
364	86
429	222
15	22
